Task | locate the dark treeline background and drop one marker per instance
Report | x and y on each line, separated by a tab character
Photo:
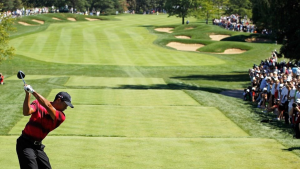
282	18
105	6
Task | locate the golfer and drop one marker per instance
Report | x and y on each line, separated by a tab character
45	117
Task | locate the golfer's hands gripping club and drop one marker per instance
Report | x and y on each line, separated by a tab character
28	89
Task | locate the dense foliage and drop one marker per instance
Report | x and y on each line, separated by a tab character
281	17
181	8
105	6
6	26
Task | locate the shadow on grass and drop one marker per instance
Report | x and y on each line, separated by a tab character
257	38
227	78
292	148
269	119
172	87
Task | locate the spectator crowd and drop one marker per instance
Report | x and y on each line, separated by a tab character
275	87
235	23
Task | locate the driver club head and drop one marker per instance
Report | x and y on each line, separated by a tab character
21	75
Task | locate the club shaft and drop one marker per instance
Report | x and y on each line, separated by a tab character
22	78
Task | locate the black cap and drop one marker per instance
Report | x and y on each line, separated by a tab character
64	96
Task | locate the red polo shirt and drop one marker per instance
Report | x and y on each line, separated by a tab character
41	123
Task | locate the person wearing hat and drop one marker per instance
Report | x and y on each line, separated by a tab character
45	117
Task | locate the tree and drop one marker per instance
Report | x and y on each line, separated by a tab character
281	18
160	4
78	4
181	8
219	4
143	5
205	10
131	4
106	6
6	26
241	7
17	4
7	5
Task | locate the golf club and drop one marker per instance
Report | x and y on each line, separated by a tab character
21	75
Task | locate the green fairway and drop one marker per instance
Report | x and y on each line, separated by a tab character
127	97
95	152
103	43
112	82
127	121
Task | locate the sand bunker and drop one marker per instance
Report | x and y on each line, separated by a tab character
25	24
188	28
71	19
233	51
56	18
90	19
166	30
184	47
38	21
218	37
183	37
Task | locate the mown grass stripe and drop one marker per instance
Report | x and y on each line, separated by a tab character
95	152
146	121
127	97
113	82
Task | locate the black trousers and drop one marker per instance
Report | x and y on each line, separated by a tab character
31	156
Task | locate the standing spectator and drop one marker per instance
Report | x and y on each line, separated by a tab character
295	118
264	98
1	79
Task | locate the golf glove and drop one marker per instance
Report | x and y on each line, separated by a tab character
29	89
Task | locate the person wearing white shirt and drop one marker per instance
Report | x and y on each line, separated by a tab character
275	87
283	95
263	83
292	97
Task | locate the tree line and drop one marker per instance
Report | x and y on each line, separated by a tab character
105	6
139	6
281	18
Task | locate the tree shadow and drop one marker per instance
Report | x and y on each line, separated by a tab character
254	38
171	87
227	78
269	120
292	148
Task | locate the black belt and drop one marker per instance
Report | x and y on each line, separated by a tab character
38	143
